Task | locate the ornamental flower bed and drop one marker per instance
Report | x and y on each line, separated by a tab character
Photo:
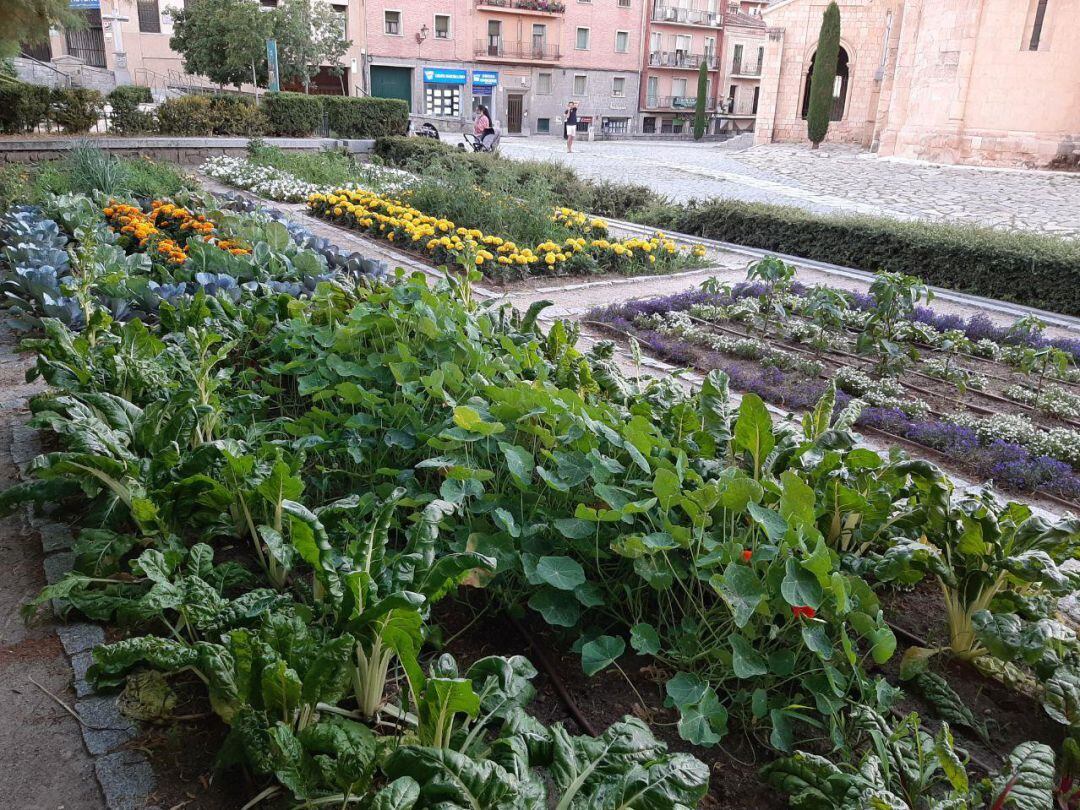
165	232
585	249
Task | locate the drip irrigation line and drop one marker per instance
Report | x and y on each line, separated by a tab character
553	675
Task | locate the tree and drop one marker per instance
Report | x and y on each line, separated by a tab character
27	22
824	76
224	40
309	34
699	105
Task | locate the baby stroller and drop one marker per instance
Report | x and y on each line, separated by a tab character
427	130
487	143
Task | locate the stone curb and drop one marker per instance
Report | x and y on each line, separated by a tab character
126	777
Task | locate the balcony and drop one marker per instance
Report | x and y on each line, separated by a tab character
493	50
687	16
681	60
687	103
532	8
742	70
741	109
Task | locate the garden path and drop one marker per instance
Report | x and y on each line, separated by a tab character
833	179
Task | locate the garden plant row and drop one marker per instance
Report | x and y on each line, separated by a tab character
1000	401
372	444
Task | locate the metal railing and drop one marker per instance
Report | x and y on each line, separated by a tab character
529	51
688	103
681	59
542	6
687	16
743	69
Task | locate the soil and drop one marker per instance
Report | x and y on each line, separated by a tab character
45	765
606	698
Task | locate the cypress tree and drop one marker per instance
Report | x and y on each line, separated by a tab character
824	75
699	105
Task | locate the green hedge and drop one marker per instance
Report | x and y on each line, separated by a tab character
1036	271
366	117
236	115
23	107
185	116
76	109
292	114
126	117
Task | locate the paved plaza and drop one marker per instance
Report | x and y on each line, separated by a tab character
834	179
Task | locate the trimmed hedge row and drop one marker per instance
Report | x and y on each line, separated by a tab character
25	106
367	117
1029	269
219	114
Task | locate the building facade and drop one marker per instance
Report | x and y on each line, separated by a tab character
523	59
979	81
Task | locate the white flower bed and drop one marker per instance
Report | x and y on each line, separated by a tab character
262	180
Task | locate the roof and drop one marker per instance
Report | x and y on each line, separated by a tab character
745	20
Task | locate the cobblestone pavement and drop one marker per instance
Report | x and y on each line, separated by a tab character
834	179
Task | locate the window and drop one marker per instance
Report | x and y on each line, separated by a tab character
539	39
442	100
543	126
622	41
442	26
652	91
494	37
543	84
624	3
618	86
753	107
1036	25
582	42
342	20
648	124
149	17
581	84
678	87
392	23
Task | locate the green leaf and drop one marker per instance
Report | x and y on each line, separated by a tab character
401	794
563	573
644	639
1061	696
558	608
741	588
519	462
453	780
601	653
799	586
666	486
1028	782
704	722
746	662
717	409
470	419
951	765
753	430
817	640
796	500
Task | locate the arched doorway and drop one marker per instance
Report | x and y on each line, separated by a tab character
840	86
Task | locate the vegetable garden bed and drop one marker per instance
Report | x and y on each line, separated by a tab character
283	462
1004	403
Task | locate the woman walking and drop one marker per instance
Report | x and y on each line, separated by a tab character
570	116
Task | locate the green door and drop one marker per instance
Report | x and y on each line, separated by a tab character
392	82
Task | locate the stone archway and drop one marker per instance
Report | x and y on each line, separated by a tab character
840	88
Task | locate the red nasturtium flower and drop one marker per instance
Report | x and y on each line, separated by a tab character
747	554
803	610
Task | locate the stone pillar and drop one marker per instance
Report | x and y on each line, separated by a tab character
770	87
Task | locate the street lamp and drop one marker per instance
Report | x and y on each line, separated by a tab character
422	34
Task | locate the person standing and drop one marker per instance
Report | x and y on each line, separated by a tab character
482	123
570	116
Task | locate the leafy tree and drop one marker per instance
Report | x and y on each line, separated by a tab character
824	75
309	33
28	22
699	107
224	40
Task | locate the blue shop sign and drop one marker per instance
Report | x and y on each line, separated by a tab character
444	76
84	5
485	78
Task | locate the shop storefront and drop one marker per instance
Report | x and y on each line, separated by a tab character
443	90
484	83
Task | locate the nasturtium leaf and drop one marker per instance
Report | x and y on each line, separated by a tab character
819	562
781	736
519	462
817	639
558	608
759	703
574	529
666	486
644	639
505	521
746	662
600	653
470	419
589	594
741	589
739	492
685	689
774	525
705	722
563	573
800	588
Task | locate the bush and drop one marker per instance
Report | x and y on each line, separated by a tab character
1032	270
292	114
76	109
404	152
236	115
23	107
187	115
351	117
126	117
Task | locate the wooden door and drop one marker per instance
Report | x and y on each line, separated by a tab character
514	105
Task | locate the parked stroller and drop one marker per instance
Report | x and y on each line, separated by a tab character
488	143
427	130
